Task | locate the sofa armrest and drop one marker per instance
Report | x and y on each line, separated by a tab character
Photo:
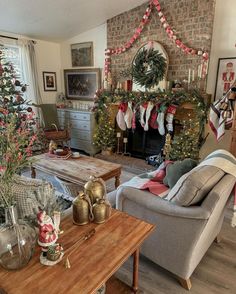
157	204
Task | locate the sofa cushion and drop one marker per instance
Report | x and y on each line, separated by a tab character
192	187
175	171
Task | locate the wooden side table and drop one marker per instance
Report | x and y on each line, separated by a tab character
92	263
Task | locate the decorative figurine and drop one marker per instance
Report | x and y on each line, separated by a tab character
52	147
47	232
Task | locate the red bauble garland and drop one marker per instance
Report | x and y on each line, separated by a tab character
138	31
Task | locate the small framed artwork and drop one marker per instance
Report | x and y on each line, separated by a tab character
82	54
82	84
226	75
49	81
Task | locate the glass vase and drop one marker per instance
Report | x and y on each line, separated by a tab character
17	241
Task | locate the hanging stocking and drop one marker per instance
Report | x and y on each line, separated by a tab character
120	116
171	110
153	120
133	123
160	120
148	114
142	110
128	115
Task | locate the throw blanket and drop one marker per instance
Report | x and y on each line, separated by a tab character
153	181
227	162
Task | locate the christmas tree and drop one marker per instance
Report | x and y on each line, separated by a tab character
104	136
186	144
11	89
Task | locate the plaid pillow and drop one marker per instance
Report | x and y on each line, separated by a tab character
32	195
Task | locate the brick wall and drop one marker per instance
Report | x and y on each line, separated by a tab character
192	21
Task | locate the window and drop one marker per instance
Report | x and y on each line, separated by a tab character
12	55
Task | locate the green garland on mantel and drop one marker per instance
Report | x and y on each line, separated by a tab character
104	98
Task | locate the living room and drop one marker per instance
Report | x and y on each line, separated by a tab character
127	105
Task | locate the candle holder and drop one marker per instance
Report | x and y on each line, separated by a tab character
125	141
118	135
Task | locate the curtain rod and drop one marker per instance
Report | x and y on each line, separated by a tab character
14	38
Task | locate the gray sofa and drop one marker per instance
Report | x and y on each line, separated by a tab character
183	234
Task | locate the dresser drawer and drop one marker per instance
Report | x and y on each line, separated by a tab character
80	144
80	116
80	124
82	135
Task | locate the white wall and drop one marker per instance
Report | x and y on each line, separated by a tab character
223	39
97	35
223	45
48	59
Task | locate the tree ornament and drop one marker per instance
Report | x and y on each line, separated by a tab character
149	67
29	109
17	83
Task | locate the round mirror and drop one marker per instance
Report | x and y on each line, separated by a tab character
162	53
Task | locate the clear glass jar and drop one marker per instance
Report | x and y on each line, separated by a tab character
17	241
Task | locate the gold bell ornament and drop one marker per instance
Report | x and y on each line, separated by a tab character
82	209
95	188
101	211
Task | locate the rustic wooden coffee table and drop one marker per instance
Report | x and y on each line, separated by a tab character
92	263
78	170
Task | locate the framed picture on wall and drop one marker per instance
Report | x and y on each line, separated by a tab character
49	81
82	84
226	75
82	54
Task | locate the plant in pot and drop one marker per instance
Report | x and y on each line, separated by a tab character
17	238
104	136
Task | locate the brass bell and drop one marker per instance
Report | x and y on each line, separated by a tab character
80	209
95	188
100	211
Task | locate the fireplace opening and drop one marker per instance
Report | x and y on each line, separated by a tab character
144	143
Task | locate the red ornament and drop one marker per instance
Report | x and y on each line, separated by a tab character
29	109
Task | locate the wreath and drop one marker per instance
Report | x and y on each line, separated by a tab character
148	68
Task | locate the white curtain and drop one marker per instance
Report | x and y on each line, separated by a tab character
29	70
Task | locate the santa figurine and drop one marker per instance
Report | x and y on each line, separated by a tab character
48	234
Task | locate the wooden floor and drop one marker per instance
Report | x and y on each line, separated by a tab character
216	273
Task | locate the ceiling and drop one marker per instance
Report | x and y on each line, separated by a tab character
58	20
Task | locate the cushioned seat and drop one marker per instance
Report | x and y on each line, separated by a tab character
187	223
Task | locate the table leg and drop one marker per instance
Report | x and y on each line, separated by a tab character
33	172
117	181
135	270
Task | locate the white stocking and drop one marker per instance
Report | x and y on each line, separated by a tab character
120	120
160	121
142	110
128	115
148	114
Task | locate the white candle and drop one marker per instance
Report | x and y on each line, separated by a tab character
200	71
125	140
193	76
118	135
189	76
